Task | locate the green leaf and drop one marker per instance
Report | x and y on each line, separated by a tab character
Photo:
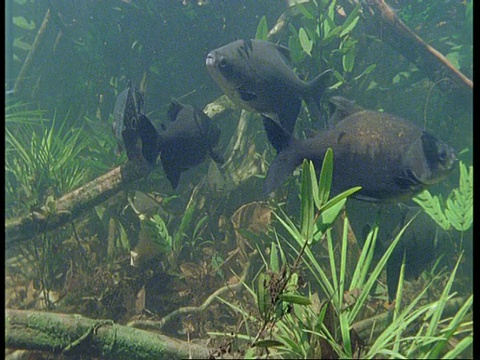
267	343
328	216
262	29
274	265
23	23
262	295
307	209
295	299
305	42
296	51
325	182
307	14
431	205
22	45
351	21
348	61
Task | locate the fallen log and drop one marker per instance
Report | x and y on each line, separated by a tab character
72	334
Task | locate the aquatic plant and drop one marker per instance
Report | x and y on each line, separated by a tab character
42	159
457	211
293	323
323	37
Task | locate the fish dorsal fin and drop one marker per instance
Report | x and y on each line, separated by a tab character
343	108
173	109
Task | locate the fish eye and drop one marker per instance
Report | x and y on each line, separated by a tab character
223	62
442	155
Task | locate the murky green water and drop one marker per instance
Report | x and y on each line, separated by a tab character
130	248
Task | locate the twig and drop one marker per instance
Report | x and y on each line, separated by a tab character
158	325
412	46
28	61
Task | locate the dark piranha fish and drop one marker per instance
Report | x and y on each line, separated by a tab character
132	127
255	74
186	140
390	158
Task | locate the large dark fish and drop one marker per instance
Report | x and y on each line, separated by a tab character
186	140
390	158
255	74
132	127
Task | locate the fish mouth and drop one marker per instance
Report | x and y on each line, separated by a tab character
210	60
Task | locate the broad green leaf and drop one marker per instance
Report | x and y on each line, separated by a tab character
262	294
305	42
295	299
23	23
345	330
325	182
262	29
332	35
340	197
307	14
431	205
328	216
22	45
348	60
296	52
351	21
307	209
267	343
274	266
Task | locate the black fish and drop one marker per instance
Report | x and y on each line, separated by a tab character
256	76
390	158
132	127
186	140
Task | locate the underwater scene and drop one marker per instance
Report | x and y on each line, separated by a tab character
228	179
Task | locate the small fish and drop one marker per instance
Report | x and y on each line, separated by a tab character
132	127
255	74
390	158
186	140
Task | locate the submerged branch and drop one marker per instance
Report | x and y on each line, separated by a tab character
77	335
412	46
73	204
158	325
29	60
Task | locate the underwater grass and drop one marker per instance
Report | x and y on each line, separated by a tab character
295	328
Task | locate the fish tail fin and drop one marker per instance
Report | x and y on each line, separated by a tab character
150	139
314	93
281	167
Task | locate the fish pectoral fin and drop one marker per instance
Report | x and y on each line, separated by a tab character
408	180
247	95
172	171
278	136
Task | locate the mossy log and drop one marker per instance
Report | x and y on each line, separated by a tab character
76	335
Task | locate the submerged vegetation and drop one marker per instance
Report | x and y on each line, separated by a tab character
214	263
